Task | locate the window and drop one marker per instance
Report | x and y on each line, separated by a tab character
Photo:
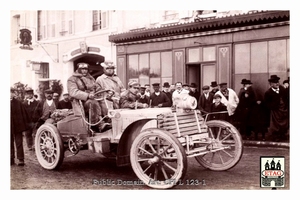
150	67
16	28
44	70
70	27
63	23
40	26
100	19
53	30
170	15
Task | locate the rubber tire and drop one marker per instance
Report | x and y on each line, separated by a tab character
59	149
180	152
238	153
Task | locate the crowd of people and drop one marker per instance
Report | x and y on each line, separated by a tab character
243	109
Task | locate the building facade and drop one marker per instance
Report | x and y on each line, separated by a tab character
60	39
153	46
218	46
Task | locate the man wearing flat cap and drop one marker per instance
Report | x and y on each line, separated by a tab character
276	100
81	86
143	96
158	98
130	97
205	100
109	81
45	108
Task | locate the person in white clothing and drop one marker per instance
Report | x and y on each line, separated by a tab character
229	98
179	91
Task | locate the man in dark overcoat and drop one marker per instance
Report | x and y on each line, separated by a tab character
158	98
30	103
244	109
205	100
276	100
166	90
143	96
19	121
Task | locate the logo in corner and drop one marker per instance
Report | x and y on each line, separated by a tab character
272	171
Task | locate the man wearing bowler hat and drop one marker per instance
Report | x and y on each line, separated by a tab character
194	92
166	90
109	81
214	87
30	104
244	110
276	100
158	98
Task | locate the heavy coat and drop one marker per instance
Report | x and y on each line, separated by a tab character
217	108
129	100
30	107
110	83
277	103
204	104
144	99
162	98
232	102
80	86
19	117
245	107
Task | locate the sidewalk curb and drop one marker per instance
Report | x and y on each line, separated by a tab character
267	144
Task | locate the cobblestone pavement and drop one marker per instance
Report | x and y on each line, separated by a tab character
86	168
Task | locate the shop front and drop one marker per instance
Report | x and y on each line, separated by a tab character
227	49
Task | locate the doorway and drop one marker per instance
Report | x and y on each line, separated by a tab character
201	74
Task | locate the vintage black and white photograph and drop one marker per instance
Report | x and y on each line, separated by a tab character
150	99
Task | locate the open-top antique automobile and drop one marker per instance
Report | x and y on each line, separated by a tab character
156	142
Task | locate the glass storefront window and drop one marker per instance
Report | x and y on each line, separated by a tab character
242	58
209	53
194	55
151	68
154	65
166	64
133	63
277	56
259	57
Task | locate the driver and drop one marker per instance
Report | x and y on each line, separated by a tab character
81	86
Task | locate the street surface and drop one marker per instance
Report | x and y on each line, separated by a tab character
87	170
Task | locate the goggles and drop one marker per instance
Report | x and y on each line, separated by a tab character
83	65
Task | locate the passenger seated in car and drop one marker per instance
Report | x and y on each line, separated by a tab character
130	97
